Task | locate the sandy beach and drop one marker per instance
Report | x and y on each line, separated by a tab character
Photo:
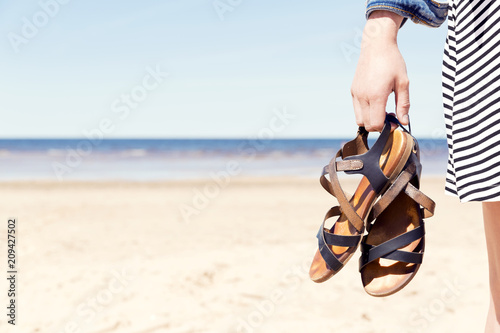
207	256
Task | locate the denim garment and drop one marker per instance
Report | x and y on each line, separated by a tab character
428	12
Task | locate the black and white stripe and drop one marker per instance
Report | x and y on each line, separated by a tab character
471	98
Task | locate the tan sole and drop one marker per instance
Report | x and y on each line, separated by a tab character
394	157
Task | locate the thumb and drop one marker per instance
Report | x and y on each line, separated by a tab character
403	102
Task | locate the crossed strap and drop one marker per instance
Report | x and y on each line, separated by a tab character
325	238
390	248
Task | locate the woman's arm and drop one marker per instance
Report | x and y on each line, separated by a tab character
381	70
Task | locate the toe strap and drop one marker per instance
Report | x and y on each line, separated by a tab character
326	238
390	249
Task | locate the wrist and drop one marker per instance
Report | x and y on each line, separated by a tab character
382	27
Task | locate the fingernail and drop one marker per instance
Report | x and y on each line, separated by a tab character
406	118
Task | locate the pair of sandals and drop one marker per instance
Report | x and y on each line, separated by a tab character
387	203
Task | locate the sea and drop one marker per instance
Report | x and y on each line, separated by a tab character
179	159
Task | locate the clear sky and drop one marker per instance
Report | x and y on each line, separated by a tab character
68	67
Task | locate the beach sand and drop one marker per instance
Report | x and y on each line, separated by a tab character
143	257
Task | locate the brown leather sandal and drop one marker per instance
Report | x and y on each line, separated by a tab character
379	165
393	249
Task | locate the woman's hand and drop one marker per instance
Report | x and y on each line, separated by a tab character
381	70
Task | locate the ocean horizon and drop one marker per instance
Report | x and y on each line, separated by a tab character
179	159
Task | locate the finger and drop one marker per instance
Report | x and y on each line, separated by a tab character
357	111
377	114
402	94
365	113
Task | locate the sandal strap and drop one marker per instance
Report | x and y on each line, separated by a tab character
401	183
428	205
345	205
399	255
338	240
392	192
366	161
325	183
371	160
326	238
353	162
359	145
349	165
391	247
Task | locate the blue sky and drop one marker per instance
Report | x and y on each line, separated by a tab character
69	67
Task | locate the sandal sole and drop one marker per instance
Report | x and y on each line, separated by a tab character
384	277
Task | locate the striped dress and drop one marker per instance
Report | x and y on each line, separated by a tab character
471	91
